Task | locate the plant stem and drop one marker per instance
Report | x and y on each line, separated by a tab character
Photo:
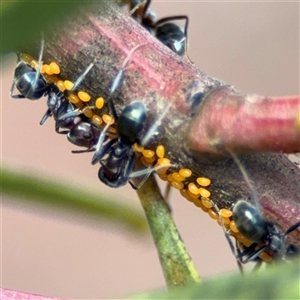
245	124
167	84
178	268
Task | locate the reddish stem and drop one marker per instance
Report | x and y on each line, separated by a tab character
225	119
245	123
6	294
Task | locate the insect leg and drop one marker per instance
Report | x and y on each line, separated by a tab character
99	152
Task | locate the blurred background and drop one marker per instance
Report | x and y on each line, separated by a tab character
252	45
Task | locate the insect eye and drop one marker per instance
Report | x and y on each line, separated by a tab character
87	135
23	85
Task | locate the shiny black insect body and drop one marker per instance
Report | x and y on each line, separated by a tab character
33	86
55	104
117	169
28	82
266	237
84	134
61	122
268	241
170	34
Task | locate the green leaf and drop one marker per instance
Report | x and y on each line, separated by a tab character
41	191
281	281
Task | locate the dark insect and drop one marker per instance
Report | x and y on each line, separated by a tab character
164	29
32	85
63	111
61	118
117	169
265	236
84	134
267	240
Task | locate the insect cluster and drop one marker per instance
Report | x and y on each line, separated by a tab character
117	142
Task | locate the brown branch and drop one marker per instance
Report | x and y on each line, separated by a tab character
162	80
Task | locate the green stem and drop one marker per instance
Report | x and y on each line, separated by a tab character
178	268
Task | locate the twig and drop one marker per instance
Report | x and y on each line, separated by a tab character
176	263
245	123
104	35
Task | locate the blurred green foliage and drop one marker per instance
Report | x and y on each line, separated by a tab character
279	281
23	21
40	191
